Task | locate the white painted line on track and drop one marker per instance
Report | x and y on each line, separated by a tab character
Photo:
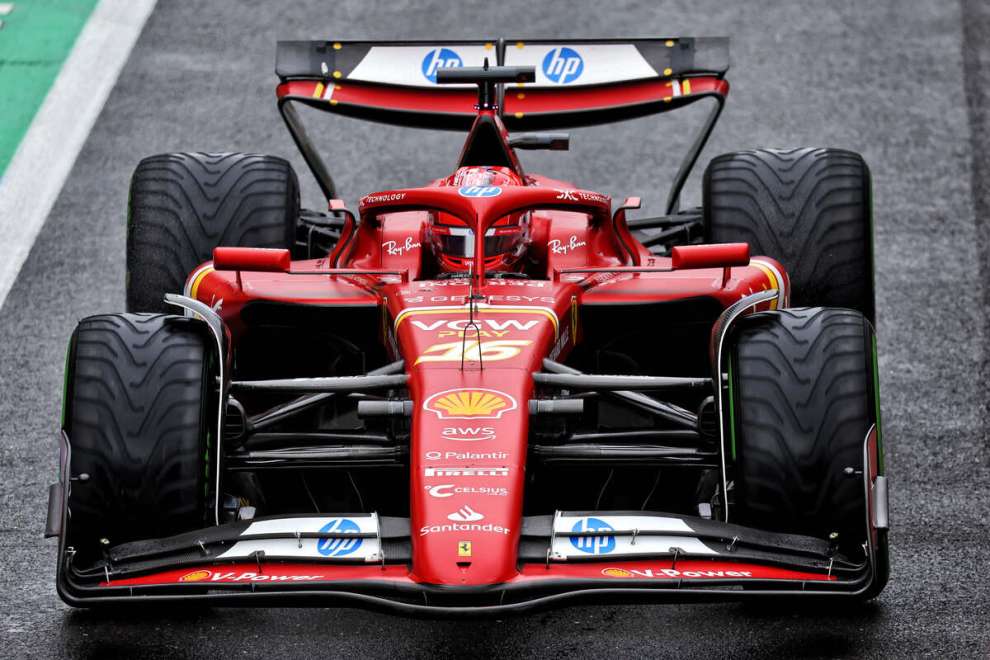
5	9
35	175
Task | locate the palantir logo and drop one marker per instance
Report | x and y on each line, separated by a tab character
336	546
440	58
563	65
479	191
593	545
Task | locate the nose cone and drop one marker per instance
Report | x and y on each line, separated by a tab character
470	381
468	461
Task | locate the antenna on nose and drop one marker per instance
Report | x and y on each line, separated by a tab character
472	302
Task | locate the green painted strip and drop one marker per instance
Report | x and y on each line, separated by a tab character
65	381
876	402
36	38
732	413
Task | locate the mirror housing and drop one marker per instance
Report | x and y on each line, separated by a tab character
715	255
264	260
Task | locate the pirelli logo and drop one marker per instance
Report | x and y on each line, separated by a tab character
466	472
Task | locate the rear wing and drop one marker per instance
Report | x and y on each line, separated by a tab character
578	82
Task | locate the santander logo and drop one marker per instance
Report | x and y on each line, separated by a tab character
465	514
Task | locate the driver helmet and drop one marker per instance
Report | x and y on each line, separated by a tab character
452	239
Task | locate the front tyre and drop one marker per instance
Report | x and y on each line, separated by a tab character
137	415
802	403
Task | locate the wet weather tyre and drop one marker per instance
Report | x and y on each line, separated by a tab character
803	402
810	209
183	205
137	418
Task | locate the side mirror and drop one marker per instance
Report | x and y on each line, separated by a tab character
716	255
265	260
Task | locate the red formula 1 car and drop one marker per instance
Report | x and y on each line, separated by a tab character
493	392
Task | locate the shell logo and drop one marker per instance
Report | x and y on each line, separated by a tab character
616	572
195	576
470	403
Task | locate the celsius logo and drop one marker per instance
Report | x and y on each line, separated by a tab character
465	514
448	490
563	65
338	547
594	545
479	191
440	58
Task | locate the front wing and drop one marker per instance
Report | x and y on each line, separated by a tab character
364	560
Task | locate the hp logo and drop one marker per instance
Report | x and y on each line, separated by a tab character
440	58
338	547
593	545
563	65
479	191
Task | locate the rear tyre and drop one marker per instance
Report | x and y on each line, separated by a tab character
185	204
803	402
810	209
137	417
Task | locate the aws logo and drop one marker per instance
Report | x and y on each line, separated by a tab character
439	58
470	404
563	65
468	433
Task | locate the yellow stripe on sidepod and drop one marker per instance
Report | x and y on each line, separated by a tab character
775	283
194	288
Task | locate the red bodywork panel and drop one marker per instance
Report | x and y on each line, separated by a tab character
254	259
